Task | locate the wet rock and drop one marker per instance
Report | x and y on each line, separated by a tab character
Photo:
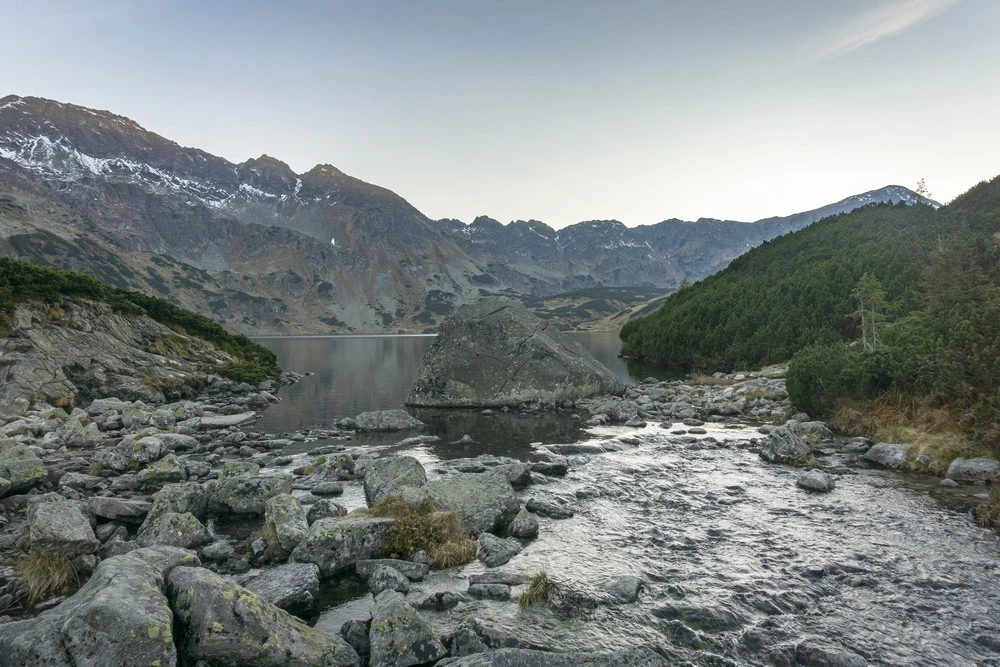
577	448
173	530
386	578
399	636
548	508
483	501
523	525
440	601
233	469
21	468
816	480
809	430
518	474
119	617
494	551
288	518
556	466
980	469
525	360
411	570
624	589
335	544
499	577
519	657
477	635
948	483
58	526
783	446
180	498
293	586
386	420
224	624
247	495
328	489
815	653
887	455
323	509
499	592
384	477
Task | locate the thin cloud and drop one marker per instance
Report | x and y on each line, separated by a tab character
885	21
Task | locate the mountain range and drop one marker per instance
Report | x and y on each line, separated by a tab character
268	251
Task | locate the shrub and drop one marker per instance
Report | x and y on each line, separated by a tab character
821	376
540	589
423	528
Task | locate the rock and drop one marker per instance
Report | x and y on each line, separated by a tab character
556	466
577	448
484	501
495	353
625	589
247	495
399	636
335	544
328	489
887	455
385	578
233	469
636	422
171	529
119	617
518	474
411	570
386	420
523	525
548	508
79	481
384	477
499	577
293	587
58	526
288	518
323	509
809	430
165	471
783	446
20	467
225	624
180	498
479	636
218	550
225	421
980	469
440	601
494	551
74	433
355	632
499	592
948	483
118	509
816	480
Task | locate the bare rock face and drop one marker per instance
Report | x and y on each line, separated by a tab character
495	353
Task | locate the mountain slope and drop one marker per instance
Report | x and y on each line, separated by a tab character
266	250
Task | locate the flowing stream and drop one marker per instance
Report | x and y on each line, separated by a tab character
888	568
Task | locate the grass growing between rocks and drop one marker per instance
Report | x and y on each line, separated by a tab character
423	528
929	428
988	514
317	462
41	575
540	589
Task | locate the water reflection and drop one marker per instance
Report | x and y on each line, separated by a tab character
358	373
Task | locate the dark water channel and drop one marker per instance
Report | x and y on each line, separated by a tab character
880	570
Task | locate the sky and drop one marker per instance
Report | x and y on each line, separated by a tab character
560	110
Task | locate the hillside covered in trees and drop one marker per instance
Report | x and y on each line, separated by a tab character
936	279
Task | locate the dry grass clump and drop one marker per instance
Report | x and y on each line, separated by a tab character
540	589
317	462
423	528
41	575
931	429
273	552
988	514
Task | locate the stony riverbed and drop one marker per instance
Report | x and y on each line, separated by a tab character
672	532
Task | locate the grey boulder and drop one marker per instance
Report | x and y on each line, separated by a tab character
495	353
494	551
386	420
816	480
484	501
783	446
227	625
399	636
523	525
886	454
171	529
980	469
335	544
385	578
58	527
293	586
384	477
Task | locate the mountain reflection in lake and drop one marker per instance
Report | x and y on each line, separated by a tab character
354	374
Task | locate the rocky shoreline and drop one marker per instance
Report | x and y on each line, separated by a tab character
133	496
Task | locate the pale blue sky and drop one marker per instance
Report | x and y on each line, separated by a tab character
559	111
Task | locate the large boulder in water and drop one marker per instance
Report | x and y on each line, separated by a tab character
495	353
